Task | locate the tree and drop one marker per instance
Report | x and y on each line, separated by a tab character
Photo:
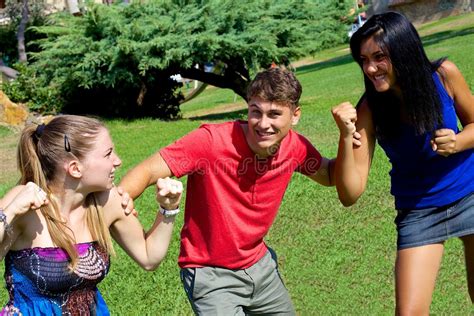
140	46
21	31
13	36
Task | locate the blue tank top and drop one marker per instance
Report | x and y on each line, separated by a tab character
420	177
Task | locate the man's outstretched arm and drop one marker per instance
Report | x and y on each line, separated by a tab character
145	174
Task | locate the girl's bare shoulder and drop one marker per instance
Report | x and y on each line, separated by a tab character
111	203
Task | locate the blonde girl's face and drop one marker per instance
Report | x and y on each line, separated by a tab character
100	164
377	66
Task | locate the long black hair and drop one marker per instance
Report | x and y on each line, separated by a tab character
419	99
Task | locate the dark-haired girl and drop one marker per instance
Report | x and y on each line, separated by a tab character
54	226
411	107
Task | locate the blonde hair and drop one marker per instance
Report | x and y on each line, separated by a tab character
41	151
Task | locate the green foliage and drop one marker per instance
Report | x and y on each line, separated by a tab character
8	48
90	74
182	33
36	11
27	88
117	60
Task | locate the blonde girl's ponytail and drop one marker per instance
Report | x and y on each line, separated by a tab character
32	170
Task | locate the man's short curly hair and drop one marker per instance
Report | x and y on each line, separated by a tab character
276	85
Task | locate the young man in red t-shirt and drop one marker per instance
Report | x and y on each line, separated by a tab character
237	175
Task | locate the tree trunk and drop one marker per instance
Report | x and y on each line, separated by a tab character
73	6
229	80
7	71
21	32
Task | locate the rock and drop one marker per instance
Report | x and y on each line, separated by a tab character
38	119
12	114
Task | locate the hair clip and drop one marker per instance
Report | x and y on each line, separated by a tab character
67	145
39	130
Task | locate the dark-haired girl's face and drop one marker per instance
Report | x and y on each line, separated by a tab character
377	66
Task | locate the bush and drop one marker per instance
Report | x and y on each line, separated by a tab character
28	88
8	40
117	60
8	49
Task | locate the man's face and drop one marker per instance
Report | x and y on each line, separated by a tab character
268	124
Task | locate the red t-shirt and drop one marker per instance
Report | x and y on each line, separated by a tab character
232	197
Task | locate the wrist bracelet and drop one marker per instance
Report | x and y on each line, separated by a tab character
3	219
168	213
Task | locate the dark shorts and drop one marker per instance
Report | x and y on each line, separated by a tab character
435	224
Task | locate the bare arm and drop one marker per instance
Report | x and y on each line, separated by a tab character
145	174
353	162
15	204
446	142
346	115
149	248
323	175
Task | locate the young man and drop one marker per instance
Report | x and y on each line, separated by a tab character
237	175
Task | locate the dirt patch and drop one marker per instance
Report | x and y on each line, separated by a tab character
8	144
223	108
463	21
304	62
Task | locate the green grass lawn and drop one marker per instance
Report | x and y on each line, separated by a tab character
334	260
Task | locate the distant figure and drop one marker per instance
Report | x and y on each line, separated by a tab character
359	18
362	16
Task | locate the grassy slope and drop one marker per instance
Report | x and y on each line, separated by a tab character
334	260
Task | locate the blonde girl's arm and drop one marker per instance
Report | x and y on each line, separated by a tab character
148	248
13	206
